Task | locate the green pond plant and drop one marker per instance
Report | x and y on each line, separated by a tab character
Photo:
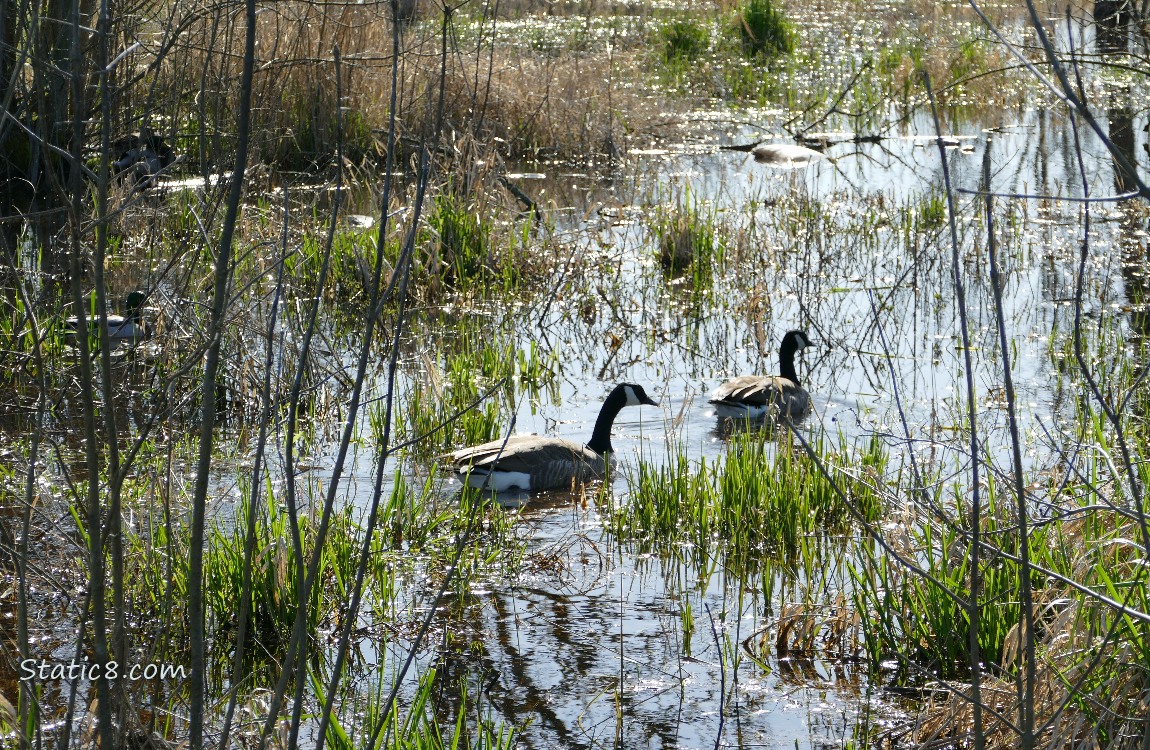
684	40
757	503
763	29
688	240
924	561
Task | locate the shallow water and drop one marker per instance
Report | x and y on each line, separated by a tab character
588	642
585	646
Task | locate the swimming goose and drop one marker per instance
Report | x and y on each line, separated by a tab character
142	157
536	462
785	155
755	396
120	327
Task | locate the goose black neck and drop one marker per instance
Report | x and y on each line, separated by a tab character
787	361
600	441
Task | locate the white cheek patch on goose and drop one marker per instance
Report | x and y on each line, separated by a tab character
499	481
632	399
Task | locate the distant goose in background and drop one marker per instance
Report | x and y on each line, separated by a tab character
141	157
785	155
535	462
757	396
120	327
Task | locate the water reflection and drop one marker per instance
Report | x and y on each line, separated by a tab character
1112	24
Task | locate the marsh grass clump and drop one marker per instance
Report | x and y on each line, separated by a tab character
957	66
464	251
464	239
295	106
423	526
903	612
763	30
887	67
1090	639
547	90
758	502
350	265
441	404
460	250
54	338
683	39
688	241
412	513
443	419
312	132
156	564
420	527
417	722
275	575
929	215
1089	659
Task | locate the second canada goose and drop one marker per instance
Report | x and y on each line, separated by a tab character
142	157
756	396
785	155
120	327
537	462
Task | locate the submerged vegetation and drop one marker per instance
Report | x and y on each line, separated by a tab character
392	230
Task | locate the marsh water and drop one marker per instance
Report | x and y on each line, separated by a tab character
584	639
639	612
591	642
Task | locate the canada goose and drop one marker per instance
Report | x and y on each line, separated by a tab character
755	396
785	155
120	327
536	462
142	157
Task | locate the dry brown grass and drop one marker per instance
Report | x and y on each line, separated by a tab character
569	102
517	101
1092	687
1072	720
1092	681
564	107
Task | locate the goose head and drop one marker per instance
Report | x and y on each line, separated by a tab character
793	343
624	394
634	394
